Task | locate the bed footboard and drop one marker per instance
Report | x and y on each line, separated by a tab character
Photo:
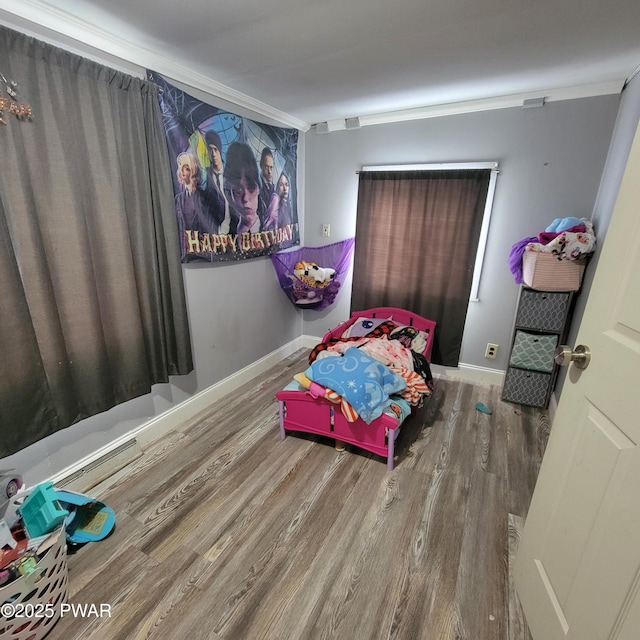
300	411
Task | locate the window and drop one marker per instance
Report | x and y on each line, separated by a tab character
420	237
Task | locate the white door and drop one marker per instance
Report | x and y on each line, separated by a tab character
578	566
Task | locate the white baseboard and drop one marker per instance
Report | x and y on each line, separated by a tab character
469	373
310	341
166	421
114	456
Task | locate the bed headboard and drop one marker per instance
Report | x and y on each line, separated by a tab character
400	316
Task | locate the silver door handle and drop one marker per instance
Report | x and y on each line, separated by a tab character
580	356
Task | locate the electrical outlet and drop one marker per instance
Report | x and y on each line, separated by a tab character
492	351
326	230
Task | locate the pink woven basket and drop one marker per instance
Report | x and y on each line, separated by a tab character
544	272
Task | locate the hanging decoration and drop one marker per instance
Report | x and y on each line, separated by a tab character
312	276
234	180
20	110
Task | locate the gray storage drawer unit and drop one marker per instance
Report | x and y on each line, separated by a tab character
541	323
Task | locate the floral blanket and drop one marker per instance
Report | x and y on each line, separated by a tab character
569	244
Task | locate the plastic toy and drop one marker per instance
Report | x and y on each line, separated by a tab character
89	519
41	511
480	406
10	553
10	484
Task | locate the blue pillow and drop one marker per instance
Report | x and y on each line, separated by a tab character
361	380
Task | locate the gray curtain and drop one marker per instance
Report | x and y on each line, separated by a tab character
92	305
417	235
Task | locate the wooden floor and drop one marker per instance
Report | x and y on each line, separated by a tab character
224	531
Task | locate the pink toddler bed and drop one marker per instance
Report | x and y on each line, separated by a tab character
309	411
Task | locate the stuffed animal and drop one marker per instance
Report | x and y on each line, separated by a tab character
309	277
313	275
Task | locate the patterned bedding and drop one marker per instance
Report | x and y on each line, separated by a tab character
365	371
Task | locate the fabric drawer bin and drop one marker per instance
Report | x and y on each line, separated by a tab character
542	311
527	387
533	351
543	271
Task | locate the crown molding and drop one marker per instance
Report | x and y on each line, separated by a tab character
40	15
499	102
473	106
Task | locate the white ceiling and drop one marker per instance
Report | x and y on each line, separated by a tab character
321	60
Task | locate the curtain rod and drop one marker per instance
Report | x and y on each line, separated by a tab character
442	166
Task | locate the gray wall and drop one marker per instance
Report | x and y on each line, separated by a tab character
551	160
620	146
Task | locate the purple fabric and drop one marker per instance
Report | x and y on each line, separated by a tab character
515	257
335	256
547	236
